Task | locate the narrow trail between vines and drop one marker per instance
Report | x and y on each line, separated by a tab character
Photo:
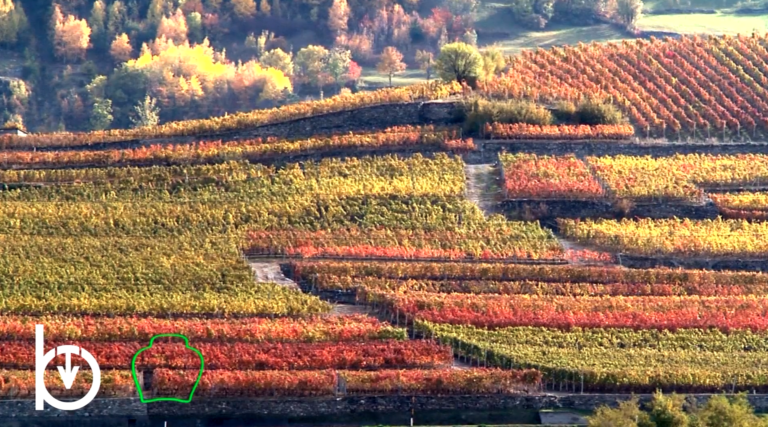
483	187
349	309
270	272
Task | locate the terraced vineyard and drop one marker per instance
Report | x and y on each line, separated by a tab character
159	249
108	240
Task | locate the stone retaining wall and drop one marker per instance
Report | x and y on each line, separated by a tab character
552	209
329	406
609	148
375	117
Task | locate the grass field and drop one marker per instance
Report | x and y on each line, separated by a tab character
373	78
720	23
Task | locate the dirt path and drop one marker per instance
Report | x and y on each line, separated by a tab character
347	309
483	187
269	272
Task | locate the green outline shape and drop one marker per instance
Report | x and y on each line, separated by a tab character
166	399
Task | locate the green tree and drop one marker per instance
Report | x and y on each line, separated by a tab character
13	22
146	113
723	412
97	88
628	414
101	114
98	21
195	27
337	64
667	411
115	19
459	61
309	64
276	58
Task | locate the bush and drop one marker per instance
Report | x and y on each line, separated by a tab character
480	111
594	112
565	111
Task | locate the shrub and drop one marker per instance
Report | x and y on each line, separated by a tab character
565	111
480	111
595	112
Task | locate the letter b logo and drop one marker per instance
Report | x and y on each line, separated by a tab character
67	373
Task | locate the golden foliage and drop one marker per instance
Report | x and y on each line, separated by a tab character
182	73
174	27
338	16
243	8
71	38
121	48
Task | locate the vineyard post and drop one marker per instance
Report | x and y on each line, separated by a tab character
413	408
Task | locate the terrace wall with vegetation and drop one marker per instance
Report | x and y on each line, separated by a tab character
359	119
309	407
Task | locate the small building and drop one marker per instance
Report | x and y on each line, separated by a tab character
12	130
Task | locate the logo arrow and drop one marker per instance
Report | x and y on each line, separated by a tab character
68	375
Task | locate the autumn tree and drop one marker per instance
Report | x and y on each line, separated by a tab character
337	64
121	48
146	113
71	38
355	71
243	9
360	44
265	8
390	63
56	19
460	62
277	58
309	64
400	26
174	27
338	16
425	59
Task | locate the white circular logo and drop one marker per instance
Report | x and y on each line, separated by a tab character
67	372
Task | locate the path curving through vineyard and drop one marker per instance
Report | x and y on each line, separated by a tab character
270	272
482	187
